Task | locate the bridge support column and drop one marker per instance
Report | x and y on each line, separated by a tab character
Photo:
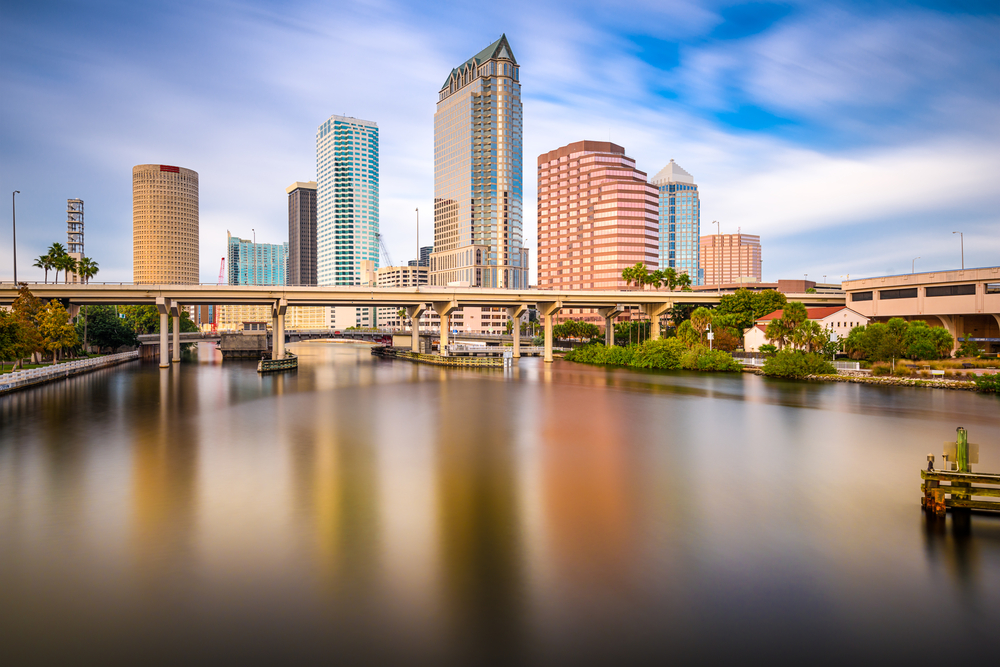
278	329
444	310
414	313
175	312
655	311
547	309
609	314
161	306
515	313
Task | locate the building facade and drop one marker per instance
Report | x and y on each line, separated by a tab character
250	263
596	217
478	174
679	222
838	320
164	225
731	258
347	199
302	233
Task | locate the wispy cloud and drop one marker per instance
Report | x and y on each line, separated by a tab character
885	114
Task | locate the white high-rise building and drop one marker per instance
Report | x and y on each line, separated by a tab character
347	203
680	222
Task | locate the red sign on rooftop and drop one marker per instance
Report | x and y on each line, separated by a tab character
167	167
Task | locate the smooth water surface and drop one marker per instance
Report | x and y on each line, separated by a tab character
365	510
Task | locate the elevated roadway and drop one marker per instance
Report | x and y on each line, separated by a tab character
415	300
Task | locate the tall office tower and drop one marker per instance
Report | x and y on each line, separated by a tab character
252	263
680	222
347	208
731	259
478	233
596	216
347	199
302	233
164	225
74	234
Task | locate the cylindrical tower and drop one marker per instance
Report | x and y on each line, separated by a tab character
164	225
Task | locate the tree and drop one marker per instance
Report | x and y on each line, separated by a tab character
701	318
12	338
655	279
744	307
28	310
670	278
44	262
56	330
67	264
687	334
684	282
55	253
810	336
87	268
106	329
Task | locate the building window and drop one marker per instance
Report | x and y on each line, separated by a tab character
905	293
951	290
861	296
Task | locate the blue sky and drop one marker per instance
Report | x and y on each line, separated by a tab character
853	137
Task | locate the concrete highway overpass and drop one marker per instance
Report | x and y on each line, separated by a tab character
444	300
965	301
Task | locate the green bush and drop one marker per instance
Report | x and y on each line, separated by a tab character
881	369
795	363
703	359
988	382
663	354
768	349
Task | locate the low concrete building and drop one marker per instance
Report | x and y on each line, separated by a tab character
965	301
837	319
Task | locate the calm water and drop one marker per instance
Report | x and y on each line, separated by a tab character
380	511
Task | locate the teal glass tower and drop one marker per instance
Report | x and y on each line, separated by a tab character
252	263
347	199
680	222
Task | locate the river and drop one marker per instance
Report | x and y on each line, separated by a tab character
378	511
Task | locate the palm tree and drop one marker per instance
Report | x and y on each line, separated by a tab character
56	251
701	318
44	262
670	278
656	279
87	268
684	281
67	264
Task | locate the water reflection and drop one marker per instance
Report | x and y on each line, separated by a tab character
382	510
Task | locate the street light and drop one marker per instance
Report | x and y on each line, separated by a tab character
961	236
13	221
913	264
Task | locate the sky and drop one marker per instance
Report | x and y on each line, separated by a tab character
853	137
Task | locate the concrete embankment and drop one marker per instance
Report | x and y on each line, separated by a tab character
34	376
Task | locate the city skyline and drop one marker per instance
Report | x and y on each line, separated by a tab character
769	105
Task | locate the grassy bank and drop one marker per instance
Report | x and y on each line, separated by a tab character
663	354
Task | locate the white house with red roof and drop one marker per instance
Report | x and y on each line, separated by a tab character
838	319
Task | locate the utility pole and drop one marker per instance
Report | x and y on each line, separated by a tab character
718	256
962	237
418	240
13	220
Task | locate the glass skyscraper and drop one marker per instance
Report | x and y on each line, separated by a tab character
252	263
478	237
680	222
347	199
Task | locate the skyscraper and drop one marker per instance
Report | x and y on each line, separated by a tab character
164	225
347	199
596	217
731	259
478	229
680	222
302	233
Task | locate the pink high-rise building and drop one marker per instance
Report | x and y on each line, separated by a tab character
731	259
597	215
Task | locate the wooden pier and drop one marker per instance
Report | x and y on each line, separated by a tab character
962	487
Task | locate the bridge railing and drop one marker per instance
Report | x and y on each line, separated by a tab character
28	376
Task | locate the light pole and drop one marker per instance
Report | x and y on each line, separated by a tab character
418	243
13	221
913	264
253	250
961	236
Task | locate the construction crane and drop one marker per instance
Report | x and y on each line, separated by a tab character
385	252
215	308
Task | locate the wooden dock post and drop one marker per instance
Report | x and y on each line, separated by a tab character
962	461
961	481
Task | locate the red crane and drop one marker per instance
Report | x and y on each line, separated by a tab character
215	308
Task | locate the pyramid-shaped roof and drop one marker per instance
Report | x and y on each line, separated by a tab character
498	49
672	173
